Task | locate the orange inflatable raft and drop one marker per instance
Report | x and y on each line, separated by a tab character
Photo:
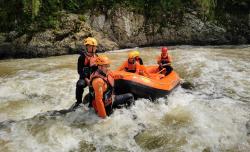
154	87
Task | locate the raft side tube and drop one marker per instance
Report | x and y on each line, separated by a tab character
139	90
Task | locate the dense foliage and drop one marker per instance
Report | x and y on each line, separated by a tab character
23	15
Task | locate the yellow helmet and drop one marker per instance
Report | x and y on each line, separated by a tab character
102	60
131	54
137	53
90	41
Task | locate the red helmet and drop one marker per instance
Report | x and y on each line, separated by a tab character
164	50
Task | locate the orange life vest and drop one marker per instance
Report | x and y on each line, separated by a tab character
89	64
107	95
164	60
89	60
131	67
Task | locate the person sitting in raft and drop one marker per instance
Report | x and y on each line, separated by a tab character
132	66
164	61
101	90
137	57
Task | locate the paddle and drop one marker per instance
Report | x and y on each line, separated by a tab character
167	64
161	70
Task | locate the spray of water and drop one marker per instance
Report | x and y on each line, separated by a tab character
210	117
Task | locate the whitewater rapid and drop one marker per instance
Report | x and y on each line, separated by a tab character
211	116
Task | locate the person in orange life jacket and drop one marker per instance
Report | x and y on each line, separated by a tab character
101	90
164	61
142	69
85	67
137	57
130	65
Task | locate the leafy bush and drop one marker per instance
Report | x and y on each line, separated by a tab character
21	14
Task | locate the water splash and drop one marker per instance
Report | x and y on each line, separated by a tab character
210	117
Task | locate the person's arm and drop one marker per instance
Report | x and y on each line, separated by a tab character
80	65
98	84
122	67
138	68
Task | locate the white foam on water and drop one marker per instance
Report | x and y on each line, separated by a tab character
217	108
51	137
53	90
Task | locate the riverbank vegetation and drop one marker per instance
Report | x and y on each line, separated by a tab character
35	15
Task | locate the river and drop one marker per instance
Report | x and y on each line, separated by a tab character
209	116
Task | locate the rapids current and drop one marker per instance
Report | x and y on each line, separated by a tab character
213	115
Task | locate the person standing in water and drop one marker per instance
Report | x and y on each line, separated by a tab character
85	67
102	88
164	61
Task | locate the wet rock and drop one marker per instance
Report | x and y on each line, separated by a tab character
6	124
6	50
248	128
134	117
19	46
86	147
187	85
178	117
142	125
207	149
152	140
242	40
114	148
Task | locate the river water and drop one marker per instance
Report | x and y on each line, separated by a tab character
209	116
